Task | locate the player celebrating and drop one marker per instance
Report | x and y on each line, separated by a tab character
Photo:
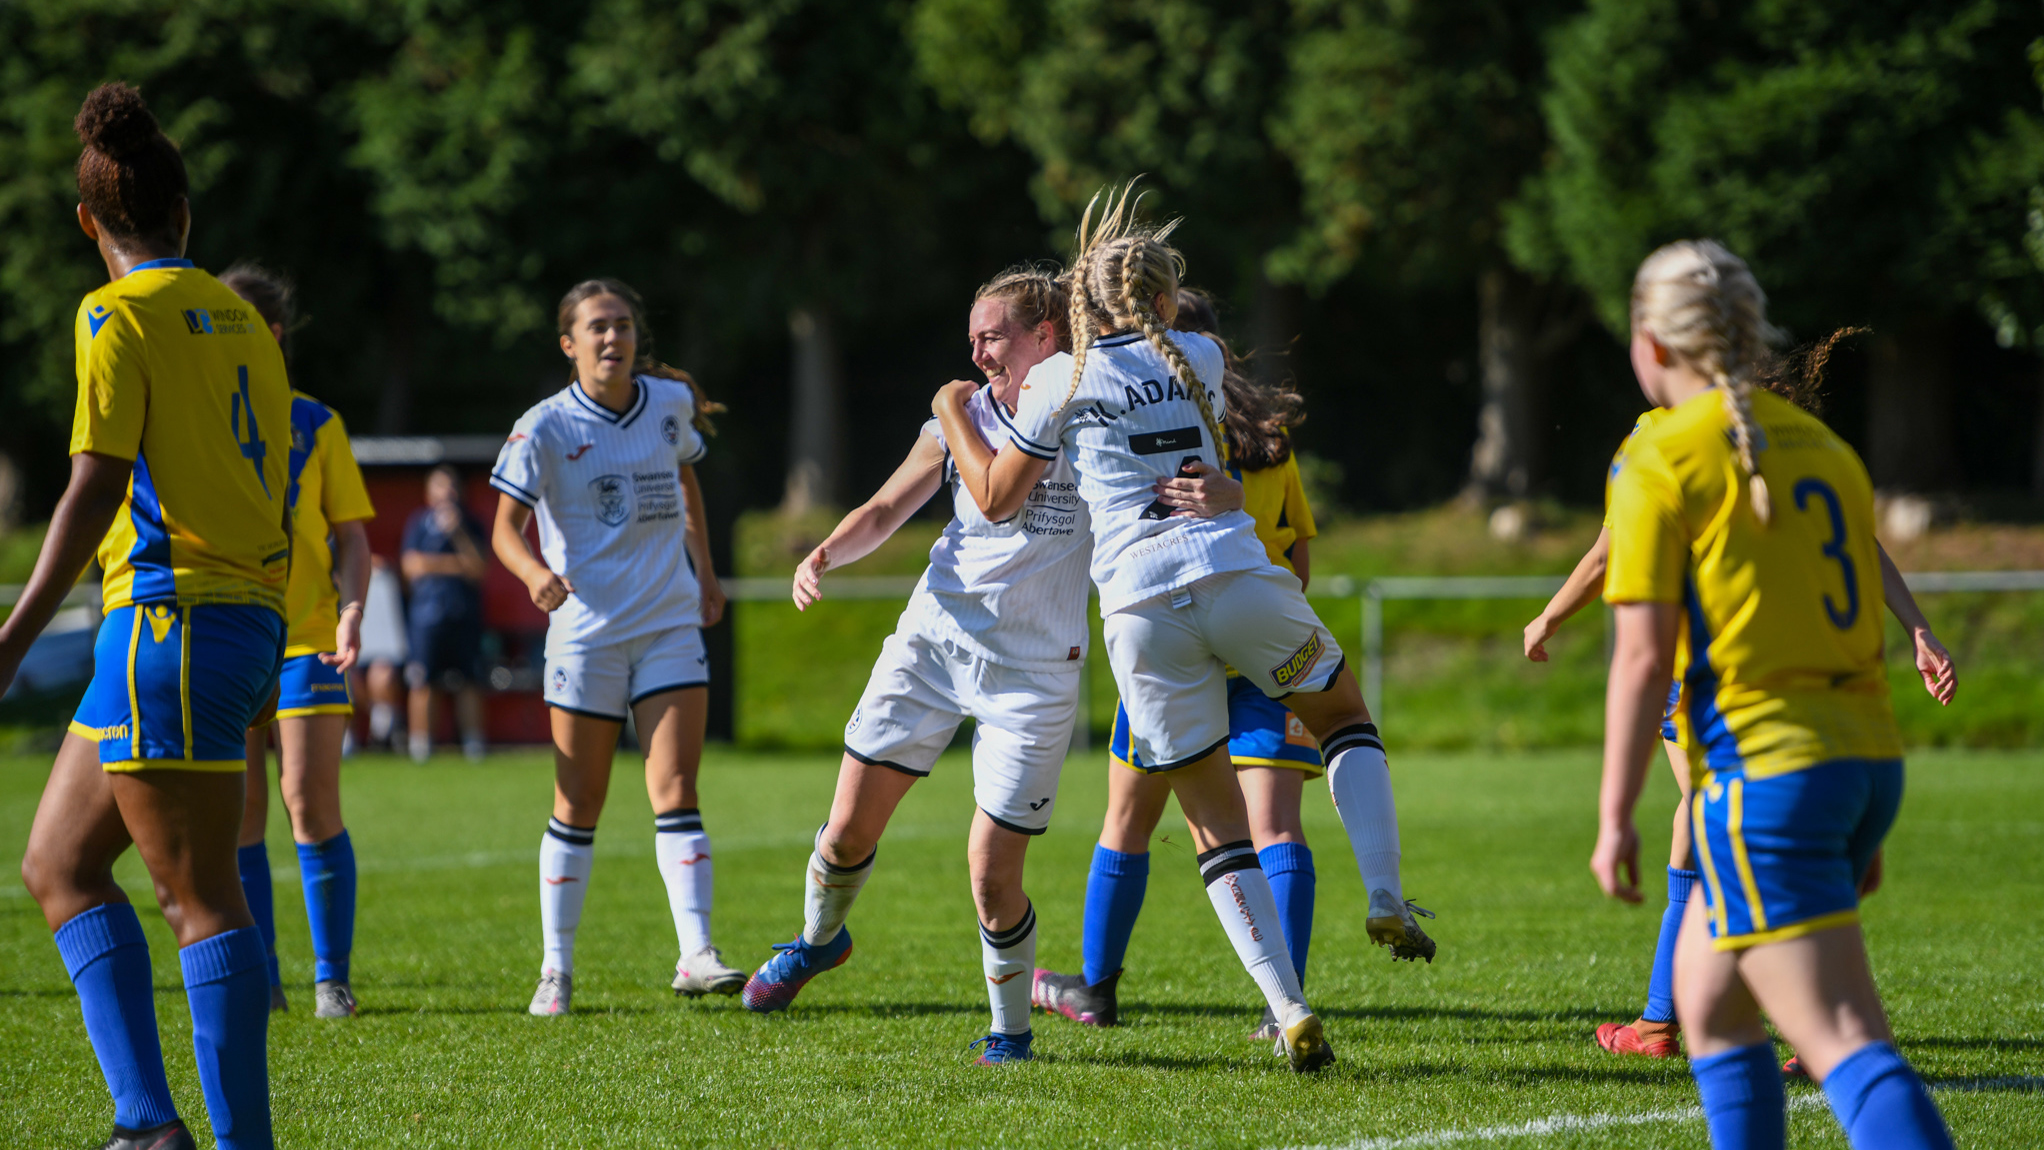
178	477
329	576
1272	753
624	568
1656	1033
1180	597
1746	525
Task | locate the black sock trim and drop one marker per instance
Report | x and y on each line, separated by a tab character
1350	737
1014	934
681	820
574	835
1226	859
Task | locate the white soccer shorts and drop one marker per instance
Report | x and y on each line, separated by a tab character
923	688
1170	656
605	682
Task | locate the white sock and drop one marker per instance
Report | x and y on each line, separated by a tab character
1359	778
1009	959
1248	912
565	856
382	717
829	895
684	854
421	745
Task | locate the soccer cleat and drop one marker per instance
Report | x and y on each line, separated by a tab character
333	999
776	983
1069	995
1792	1070
172	1135
556	991
277	1003
1648	1039
1304	1044
705	972
1268	1029
1003	1048
1392	927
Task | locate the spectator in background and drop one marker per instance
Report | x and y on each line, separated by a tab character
443	564
384	650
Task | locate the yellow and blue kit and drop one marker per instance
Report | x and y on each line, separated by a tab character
181	376
1794	743
1262	732
326	488
1647	418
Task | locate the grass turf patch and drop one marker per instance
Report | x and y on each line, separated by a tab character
1495	1034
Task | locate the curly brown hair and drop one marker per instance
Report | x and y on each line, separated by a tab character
130	176
1799	376
1259	416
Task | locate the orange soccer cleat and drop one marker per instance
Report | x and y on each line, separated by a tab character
1648	1039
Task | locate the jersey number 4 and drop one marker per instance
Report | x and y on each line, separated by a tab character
253	448
1834	549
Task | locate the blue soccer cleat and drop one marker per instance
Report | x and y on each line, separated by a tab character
774	985
1003	1048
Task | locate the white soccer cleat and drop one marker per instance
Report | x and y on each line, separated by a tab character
705	972
334	999
1392	926
556	991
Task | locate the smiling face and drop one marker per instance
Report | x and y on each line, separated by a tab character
603	342
1003	348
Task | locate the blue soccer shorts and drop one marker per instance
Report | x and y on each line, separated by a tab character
174	688
1782	856
1262	732
1668	732
310	687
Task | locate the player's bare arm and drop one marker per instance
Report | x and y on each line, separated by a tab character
507	538
1933	662
98	487
1641	665
999	482
709	590
1581	589
351	579
870	525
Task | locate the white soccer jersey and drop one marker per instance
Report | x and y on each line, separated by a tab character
612	518
1130	424
1013	593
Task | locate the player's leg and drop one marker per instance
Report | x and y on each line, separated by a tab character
252	857
1007	934
1730	1054
1272	795
310	779
68	869
1657	1033
584	745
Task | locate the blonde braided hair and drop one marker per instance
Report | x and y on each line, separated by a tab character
1701	302
1115	279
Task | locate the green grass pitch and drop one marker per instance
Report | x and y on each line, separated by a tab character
1489	1046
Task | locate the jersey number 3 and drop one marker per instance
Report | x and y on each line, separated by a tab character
1835	549
252	446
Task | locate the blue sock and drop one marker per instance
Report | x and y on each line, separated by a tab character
1289	867
1661	986
254	863
1882	1104
1742	1098
108	961
1114	897
230	1007
328	871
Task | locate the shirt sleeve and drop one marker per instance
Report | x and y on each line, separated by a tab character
1298	512
519	472
692	447
344	498
1038	425
1649	536
113	388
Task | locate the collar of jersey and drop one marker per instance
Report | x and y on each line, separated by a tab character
1118	340
622	420
152	265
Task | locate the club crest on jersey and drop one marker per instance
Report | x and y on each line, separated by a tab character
1294	669
560	680
612	501
670	430
853	725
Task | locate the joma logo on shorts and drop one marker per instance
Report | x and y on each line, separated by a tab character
1295	668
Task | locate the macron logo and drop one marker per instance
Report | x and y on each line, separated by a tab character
97	317
578	452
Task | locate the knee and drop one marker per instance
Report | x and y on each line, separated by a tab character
844	845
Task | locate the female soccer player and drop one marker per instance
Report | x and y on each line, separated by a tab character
1656	1033
1745	526
624	568
1180	597
178	478
329	576
996	631
1272	753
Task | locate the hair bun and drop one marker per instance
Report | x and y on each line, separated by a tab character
115	122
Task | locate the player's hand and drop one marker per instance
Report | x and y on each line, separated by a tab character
347	640
1934	663
955	392
1538	632
1208	493
1871	881
548	590
1616	861
713	598
809	578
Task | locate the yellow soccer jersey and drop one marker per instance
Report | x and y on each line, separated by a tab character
326	488
1276	499
1783	666
1646	419
180	375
